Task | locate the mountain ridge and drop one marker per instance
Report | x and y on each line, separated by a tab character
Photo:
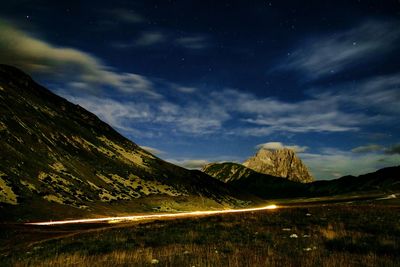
227	172
262	185
56	154
265	186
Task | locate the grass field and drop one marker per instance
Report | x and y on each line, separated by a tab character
334	234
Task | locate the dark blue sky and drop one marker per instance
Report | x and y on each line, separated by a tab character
203	81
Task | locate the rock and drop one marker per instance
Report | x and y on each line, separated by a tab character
280	163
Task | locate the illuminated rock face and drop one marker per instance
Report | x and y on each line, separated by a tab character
281	163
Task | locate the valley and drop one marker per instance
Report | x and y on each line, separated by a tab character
171	133
322	232
75	192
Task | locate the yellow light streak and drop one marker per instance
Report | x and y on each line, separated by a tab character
154	216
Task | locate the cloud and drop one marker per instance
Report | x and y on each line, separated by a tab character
127	16
185	89
158	116
150	38
80	69
333	163
380	93
345	108
153	150
279	145
393	150
113	19
117	113
232	112
367	148
316	114
333	53
192	42
196	164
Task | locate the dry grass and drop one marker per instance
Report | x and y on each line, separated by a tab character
334	235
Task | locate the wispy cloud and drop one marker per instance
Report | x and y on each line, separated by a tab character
183	89
153	150
367	148
150	38
159	115
268	115
192	42
111	20
78	68
395	149
124	15
195	164
232	112
380	93
145	39
279	145
119	114
335	52
372	148
344	108
193	112
333	163
198	163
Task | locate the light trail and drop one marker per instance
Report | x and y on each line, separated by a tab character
153	216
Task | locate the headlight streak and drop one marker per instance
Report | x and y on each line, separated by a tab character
153	216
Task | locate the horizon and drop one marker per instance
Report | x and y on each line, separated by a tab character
195	89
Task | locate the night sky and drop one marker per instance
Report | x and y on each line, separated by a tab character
204	81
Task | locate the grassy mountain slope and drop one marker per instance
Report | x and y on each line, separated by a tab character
57	160
228	171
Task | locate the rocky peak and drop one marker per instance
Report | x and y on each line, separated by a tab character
281	162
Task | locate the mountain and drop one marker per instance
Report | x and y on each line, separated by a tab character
58	160
281	163
228	171
265	186
262	185
383	180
